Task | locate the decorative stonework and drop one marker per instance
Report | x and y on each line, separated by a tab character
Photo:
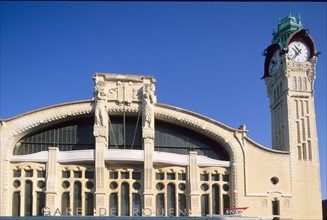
148	106
17	127
100	97
148	202
100	131
148	133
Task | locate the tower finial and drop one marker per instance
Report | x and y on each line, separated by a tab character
299	20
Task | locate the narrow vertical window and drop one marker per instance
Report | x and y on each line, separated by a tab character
304	149
136	205
77	196
204	205
302	108
88	204
215	199
16	204
308	127
182	205
298	131
226	201
28	198
299	83
294	82
299	153
305	83
171	200
40	202
124	199
309	150
160	204
275	207
65	203
303	129
297	109
113	204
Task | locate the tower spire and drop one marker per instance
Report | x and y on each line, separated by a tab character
299	19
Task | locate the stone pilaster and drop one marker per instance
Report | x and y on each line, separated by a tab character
194	205
100	133
148	141
52	173
148	144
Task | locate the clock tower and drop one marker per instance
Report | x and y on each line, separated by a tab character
289	74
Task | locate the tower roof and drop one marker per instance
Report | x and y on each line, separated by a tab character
286	27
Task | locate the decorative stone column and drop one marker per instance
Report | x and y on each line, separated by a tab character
148	145
100	133
100	149
52	172
195	205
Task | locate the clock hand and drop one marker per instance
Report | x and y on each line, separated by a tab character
298	49
296	52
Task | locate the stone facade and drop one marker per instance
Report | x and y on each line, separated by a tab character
124	154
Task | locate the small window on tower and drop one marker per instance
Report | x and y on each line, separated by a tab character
305	83
294	82
299	83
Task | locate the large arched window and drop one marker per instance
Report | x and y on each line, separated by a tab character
180	140
71	135
125	133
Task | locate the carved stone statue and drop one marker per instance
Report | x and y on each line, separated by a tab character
148	100
100	98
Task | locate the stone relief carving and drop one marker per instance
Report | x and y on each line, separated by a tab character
113	94
148	202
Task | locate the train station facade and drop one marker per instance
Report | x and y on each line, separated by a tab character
124	154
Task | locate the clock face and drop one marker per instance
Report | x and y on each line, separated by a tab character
298	51
274	63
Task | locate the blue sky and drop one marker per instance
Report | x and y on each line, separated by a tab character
206	56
